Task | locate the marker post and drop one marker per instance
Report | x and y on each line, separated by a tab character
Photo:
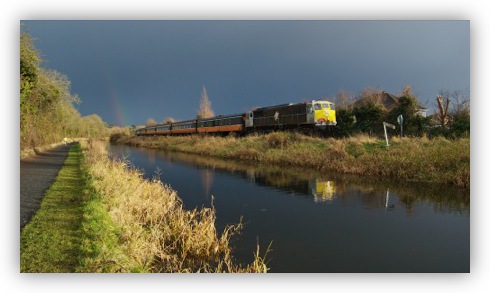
386	133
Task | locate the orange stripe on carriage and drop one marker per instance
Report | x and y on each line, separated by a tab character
182	131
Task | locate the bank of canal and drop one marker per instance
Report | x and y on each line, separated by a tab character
320	222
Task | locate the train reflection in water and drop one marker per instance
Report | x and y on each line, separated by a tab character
323	190
320	190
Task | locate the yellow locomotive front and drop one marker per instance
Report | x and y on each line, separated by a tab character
323	113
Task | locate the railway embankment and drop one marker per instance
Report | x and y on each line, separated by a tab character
437	160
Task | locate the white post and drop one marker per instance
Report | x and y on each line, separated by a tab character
386	133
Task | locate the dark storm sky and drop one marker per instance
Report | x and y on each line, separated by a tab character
129	71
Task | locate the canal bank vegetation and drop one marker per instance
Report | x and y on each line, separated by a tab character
437	160
135	225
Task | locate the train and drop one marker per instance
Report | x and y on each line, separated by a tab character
314	115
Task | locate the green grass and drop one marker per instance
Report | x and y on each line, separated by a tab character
100	248
50	242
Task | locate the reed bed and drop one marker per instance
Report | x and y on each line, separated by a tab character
145	227
407	159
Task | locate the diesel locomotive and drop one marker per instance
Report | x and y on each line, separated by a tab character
310	115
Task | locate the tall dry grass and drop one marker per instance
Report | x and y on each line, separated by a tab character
154	231
407	159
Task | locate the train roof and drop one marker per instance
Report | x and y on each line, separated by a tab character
221	117
185	121
277	106
323	101
291	104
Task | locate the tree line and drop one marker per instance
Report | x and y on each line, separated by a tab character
47	106
366	112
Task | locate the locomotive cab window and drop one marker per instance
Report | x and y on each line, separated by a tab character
318	106
325	106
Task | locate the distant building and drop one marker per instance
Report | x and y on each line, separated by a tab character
422	112
388	101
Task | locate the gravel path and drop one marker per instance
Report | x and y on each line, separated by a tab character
37	173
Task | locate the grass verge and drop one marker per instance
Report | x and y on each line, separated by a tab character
135	225
50	242
407	159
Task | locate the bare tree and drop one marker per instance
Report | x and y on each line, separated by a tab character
461	102
344	99
151	122
372	94
205	110
443	102
408	91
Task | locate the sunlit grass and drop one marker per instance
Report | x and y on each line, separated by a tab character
50	242
408	159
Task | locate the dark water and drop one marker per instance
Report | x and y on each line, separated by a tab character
321	222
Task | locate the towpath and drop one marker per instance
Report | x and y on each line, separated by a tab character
37	173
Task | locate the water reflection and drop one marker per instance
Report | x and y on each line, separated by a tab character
324	188
322	222
207	181
388	206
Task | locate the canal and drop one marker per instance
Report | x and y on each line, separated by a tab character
318	222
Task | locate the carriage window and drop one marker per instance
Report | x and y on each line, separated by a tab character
318	107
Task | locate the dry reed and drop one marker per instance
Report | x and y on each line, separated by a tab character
155	232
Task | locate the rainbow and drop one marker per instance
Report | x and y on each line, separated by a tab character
116	103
